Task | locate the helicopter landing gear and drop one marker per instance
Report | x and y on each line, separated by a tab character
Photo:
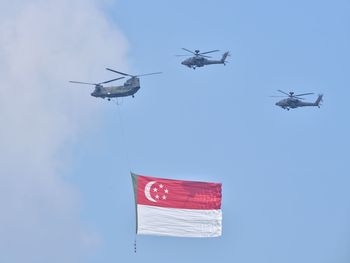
109	99
133	96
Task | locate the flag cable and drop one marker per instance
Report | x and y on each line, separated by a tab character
126	152
124	138
135	244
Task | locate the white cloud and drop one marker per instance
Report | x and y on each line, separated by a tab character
43	44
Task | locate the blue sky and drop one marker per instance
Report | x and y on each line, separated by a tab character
285	174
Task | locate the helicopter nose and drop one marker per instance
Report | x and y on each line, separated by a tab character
183	63
278	104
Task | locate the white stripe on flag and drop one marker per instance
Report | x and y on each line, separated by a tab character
153	220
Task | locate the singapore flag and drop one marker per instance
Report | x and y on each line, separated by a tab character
168	207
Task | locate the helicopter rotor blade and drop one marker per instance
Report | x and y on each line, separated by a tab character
182	55
204	56
277	96
121	73
110	80
216	50
189	51
283	92
79	82
149	74
310	93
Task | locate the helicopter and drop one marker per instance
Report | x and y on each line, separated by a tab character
200	59
295	101
129	88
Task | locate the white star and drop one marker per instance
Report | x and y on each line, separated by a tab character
157	196
155	190
164	197
161	186
166	191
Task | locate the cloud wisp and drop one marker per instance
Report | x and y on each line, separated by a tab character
43	44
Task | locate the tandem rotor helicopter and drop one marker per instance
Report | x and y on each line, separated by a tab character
200	59
294	101
129	88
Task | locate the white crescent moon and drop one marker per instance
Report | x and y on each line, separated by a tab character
148	191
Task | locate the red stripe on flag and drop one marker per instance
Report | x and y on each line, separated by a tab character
178	194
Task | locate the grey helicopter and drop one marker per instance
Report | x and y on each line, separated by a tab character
295	101
129	88
200	59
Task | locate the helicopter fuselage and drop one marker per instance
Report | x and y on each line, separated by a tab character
130	87
200	61
292	103
194	62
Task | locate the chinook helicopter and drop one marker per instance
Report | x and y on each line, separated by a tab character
200	59
129	88
294	101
